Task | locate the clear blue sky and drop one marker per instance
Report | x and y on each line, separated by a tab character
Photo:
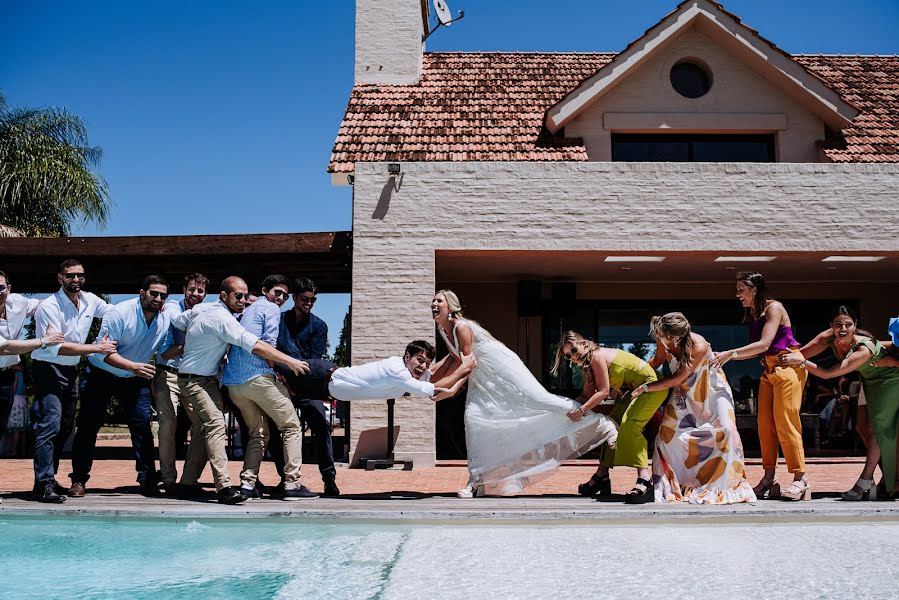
208	111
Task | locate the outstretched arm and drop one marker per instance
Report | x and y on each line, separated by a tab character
773	317
600	370
849	364
683	372
463	368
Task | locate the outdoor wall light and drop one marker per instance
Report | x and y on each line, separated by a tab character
350	179
745	258
393	168
853	259
613	259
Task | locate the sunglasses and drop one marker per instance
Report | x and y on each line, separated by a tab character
239	295
74	275
155	294
280	293
307	300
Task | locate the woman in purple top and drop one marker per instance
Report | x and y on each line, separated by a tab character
780	388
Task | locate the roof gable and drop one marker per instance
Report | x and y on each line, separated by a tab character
727	30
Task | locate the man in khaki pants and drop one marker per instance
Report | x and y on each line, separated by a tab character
254	389
208	333
168	400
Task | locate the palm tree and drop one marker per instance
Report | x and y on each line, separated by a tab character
48	177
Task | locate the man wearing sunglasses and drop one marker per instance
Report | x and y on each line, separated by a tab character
208	334
305	336
70	311
139	327
257	393
171	405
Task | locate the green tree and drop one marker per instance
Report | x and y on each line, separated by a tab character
342	352
48	172
640	350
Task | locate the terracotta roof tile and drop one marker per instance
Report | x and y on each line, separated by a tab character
486	106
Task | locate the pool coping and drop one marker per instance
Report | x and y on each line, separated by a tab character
441	509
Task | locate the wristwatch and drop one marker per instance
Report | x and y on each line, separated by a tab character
43	343
734	354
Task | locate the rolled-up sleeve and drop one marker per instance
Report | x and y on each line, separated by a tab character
47	315
232	332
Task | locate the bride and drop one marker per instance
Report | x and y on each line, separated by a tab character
515	430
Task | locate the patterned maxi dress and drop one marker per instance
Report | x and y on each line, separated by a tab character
698	455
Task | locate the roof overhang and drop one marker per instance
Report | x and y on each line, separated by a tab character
727	30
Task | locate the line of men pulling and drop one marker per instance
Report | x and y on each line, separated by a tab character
189	341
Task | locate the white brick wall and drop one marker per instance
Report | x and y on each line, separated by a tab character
388	42
670	207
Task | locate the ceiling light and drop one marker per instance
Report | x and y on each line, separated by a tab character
745	258
852	258
634	259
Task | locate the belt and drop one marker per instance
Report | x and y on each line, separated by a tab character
167	369
193	376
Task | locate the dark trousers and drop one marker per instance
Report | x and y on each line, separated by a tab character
133	394
7	393
55	399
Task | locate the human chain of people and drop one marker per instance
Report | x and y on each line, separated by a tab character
189	356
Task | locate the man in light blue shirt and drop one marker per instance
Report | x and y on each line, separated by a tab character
139	329
171	404
256	392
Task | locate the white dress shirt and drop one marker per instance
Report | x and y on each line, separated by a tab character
208	333
73	323
137	341
18	308
380	380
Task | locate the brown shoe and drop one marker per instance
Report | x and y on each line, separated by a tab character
77	490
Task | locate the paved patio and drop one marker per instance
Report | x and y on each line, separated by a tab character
429	494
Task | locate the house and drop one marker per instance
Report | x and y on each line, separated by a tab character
592	190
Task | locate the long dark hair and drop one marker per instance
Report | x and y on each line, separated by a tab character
762	296
845	311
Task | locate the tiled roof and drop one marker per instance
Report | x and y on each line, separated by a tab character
485	106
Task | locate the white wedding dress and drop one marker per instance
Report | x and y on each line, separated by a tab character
515	430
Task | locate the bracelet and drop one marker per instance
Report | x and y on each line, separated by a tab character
583	412
645	387
41	340
734	354
802	364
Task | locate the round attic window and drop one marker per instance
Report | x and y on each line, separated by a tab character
690	80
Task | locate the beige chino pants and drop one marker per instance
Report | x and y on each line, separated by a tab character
168	398
258	397
205	399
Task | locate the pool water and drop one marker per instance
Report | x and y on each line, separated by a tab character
287	558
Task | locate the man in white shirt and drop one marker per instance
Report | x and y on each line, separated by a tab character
70	311
170	403
208	334
14	309
396	376
139	329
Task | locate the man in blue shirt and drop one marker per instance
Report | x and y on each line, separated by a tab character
257	393
139	329
305	336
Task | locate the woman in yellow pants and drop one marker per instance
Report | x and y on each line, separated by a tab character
606	369
780	388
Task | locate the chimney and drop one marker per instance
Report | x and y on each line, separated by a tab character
388	41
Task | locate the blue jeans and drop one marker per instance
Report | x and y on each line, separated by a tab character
55	399
133	394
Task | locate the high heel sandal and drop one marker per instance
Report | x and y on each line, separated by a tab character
769	487
864	489
472	490
597	486
638	496
798	490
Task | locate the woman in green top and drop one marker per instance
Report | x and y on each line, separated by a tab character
861	353
607	369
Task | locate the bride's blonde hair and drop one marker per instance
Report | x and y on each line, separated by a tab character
674	326
585	346
452	302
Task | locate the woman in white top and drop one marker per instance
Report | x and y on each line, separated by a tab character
516	431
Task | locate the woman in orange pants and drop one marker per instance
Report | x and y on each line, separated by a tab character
780	388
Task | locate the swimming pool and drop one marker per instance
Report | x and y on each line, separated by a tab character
68	557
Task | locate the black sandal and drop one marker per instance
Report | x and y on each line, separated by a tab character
598	485
638	496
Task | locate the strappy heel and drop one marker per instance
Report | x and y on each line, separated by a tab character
597	486
798	490
472	490
864	489
638	496
767	488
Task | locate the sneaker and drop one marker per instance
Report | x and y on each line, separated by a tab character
331	490
77	490
50	496
299	493
250	493
230	495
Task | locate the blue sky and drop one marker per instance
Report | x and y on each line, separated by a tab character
219	116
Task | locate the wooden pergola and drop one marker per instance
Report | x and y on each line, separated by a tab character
116	265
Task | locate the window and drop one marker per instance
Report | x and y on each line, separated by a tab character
690	80
692	148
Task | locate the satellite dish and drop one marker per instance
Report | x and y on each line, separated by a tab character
443	13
